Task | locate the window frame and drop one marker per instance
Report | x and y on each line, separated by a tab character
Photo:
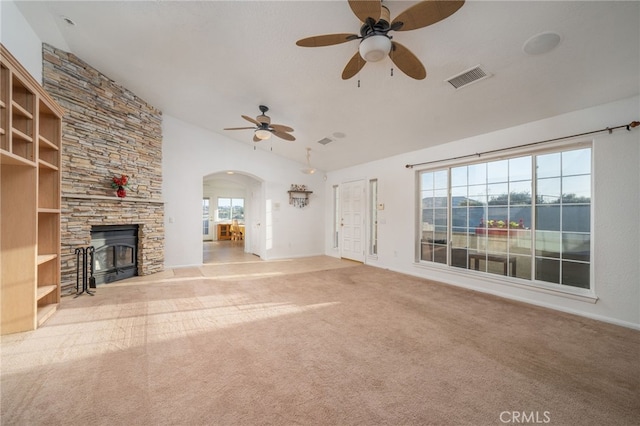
335	229
580	293
231	205
206	213
373	218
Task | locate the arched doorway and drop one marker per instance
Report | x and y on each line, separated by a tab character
227	196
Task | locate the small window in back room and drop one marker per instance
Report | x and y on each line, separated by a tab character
230	208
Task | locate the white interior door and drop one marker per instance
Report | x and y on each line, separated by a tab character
352	214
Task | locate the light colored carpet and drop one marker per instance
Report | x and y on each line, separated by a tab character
314	342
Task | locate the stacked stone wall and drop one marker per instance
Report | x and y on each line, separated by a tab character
107	131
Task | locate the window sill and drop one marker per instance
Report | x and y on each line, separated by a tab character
582	295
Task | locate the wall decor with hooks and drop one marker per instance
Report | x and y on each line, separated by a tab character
299	195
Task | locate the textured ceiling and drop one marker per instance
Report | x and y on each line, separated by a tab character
208	62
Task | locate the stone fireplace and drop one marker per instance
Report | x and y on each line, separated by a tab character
107	131
82	214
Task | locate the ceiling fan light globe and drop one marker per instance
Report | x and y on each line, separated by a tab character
375	48
263	134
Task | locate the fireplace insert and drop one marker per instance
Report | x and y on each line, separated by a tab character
116	252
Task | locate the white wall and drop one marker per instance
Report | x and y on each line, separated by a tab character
616	196
20	39
190	153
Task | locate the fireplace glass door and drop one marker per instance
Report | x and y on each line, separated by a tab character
115	255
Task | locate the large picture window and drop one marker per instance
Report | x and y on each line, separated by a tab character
527	217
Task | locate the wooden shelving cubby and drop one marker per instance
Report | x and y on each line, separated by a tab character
22	119
4	110
48	186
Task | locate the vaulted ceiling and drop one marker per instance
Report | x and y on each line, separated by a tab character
209	62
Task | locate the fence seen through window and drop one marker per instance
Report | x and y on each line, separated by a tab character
527	217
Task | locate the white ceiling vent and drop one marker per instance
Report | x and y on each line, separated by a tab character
324	141
467	77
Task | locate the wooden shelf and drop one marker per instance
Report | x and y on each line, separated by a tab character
43	258
45	143
21	135
43	290
50	211
47	165
19	110
45	312
9	158
30	154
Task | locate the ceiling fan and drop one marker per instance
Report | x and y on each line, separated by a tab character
263	128
375	41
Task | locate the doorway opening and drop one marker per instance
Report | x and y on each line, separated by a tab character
231	216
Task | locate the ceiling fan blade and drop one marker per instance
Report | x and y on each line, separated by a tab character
354	65
326	40
281	128
407	61
364	9
283	135
239	128
256	139
426	12
251	120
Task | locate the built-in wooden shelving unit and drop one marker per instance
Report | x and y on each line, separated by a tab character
30	140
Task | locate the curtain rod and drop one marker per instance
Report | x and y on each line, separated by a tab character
478	154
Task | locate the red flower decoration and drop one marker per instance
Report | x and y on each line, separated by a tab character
121	192
117	182
120	184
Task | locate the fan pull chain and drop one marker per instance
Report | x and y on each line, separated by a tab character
391	55
358	82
